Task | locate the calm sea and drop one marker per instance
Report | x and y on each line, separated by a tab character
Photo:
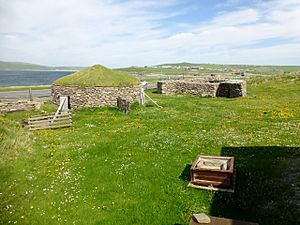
26	78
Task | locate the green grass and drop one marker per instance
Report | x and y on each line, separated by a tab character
110	168
98	75
24	88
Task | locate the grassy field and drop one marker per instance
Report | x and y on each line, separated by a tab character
110	168
214	68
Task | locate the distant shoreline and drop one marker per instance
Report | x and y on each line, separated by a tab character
58	70
23	88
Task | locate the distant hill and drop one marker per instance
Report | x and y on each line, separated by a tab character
28	66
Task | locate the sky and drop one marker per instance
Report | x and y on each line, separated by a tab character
120	33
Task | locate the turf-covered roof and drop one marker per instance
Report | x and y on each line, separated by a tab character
98	75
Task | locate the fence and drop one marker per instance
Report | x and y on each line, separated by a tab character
50	121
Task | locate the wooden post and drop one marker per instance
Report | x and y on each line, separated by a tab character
63	107
64	101
142	96
30	95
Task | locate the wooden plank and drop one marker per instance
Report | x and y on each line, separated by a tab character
50	127
50	119
213	178
222	221
67	120
49	116
211	183
40	118
210	188
49	124
60	126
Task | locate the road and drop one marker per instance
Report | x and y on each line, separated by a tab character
24	94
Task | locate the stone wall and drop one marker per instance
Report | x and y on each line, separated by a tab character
20	105
232	89
94	96
195	87
202	87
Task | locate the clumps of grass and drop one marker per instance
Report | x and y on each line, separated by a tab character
274	79
15	142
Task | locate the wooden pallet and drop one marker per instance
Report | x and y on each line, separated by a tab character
50	121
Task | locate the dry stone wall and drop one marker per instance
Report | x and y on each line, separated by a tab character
232	89
20	105
94	96
187	87
201	87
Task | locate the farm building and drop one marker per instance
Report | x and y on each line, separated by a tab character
96	86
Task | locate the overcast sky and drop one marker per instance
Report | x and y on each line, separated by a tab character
119	33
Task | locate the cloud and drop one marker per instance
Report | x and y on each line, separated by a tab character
124	33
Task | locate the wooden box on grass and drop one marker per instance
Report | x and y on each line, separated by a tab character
213	173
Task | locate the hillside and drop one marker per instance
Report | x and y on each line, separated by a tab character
28	66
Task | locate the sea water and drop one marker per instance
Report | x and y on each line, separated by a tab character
29	77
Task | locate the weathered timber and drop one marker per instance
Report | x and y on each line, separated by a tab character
222	221
50	121
213	172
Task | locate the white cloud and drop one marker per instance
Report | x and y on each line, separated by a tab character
74	32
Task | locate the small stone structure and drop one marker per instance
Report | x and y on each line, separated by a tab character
20	105
84	96
124	105
204	87
232	89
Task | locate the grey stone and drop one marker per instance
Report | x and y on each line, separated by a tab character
201	218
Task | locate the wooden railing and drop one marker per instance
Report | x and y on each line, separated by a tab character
50	121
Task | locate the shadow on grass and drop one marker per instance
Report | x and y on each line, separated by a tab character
264	190
186	174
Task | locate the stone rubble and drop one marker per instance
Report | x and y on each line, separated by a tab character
20	105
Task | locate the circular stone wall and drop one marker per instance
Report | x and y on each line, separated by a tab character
94	96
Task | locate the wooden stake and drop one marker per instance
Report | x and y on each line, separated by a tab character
30	95
152	100
142	97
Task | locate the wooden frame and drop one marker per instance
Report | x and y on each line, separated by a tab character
213	173
50	121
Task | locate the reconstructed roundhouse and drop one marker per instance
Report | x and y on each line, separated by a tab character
96	86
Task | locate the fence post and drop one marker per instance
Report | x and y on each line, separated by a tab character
30	95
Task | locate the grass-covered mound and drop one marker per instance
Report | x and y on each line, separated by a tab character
97	75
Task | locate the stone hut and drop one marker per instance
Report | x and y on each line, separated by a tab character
204	87
96	86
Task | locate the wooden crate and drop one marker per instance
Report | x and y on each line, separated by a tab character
50	121
213	172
